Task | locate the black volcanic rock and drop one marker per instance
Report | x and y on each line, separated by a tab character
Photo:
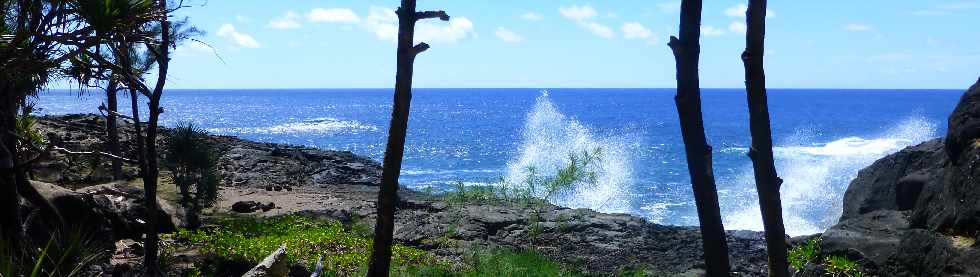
964	123
877	187
917	212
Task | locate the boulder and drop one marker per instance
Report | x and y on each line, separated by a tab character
875	236
895	181
109	212
244	207
129	214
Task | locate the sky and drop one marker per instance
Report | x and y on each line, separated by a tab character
255	44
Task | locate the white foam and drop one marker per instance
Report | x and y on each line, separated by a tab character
549	137
816	176
313	126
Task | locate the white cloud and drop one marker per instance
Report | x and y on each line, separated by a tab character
599	29
578	13
333	16
738	10
508	36
711	31
737	27
244	40
858	27
532	16
383	23
288	21
583	15
635	30
458	29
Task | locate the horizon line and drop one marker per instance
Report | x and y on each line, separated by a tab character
525	88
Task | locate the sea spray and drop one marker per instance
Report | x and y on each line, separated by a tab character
550	140
816	175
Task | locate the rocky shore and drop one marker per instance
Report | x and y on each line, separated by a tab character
913	213
343	186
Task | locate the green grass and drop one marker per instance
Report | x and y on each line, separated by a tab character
346	253
343	252
498	262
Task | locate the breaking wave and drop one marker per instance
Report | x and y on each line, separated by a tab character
549	137
816	175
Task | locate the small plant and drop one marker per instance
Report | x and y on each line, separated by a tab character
801	255
534	227
841	266
192	163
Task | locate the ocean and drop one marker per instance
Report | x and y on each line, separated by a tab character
485	136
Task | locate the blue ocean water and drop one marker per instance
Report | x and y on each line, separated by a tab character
480	136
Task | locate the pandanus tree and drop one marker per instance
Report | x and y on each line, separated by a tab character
395	150
686	51
767	182
37	37
191	160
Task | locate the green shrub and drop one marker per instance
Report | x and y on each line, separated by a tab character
534	190
841	266
801	255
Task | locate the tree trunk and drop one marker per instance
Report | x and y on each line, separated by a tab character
391	167
152	170
112	128
10	226
766	180
686	53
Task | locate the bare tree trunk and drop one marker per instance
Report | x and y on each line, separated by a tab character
152	170
766	180
112	128
686	52
391	167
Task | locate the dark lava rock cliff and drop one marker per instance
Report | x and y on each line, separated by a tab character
917	212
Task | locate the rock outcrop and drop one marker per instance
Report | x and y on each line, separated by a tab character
917	212
113	211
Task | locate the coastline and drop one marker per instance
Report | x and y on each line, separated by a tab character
341	186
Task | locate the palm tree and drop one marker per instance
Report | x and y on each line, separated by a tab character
686	51
766	180
391	166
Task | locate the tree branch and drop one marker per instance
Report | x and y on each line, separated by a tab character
442	15
111	156
419	48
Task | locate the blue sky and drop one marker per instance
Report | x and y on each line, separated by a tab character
554	44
